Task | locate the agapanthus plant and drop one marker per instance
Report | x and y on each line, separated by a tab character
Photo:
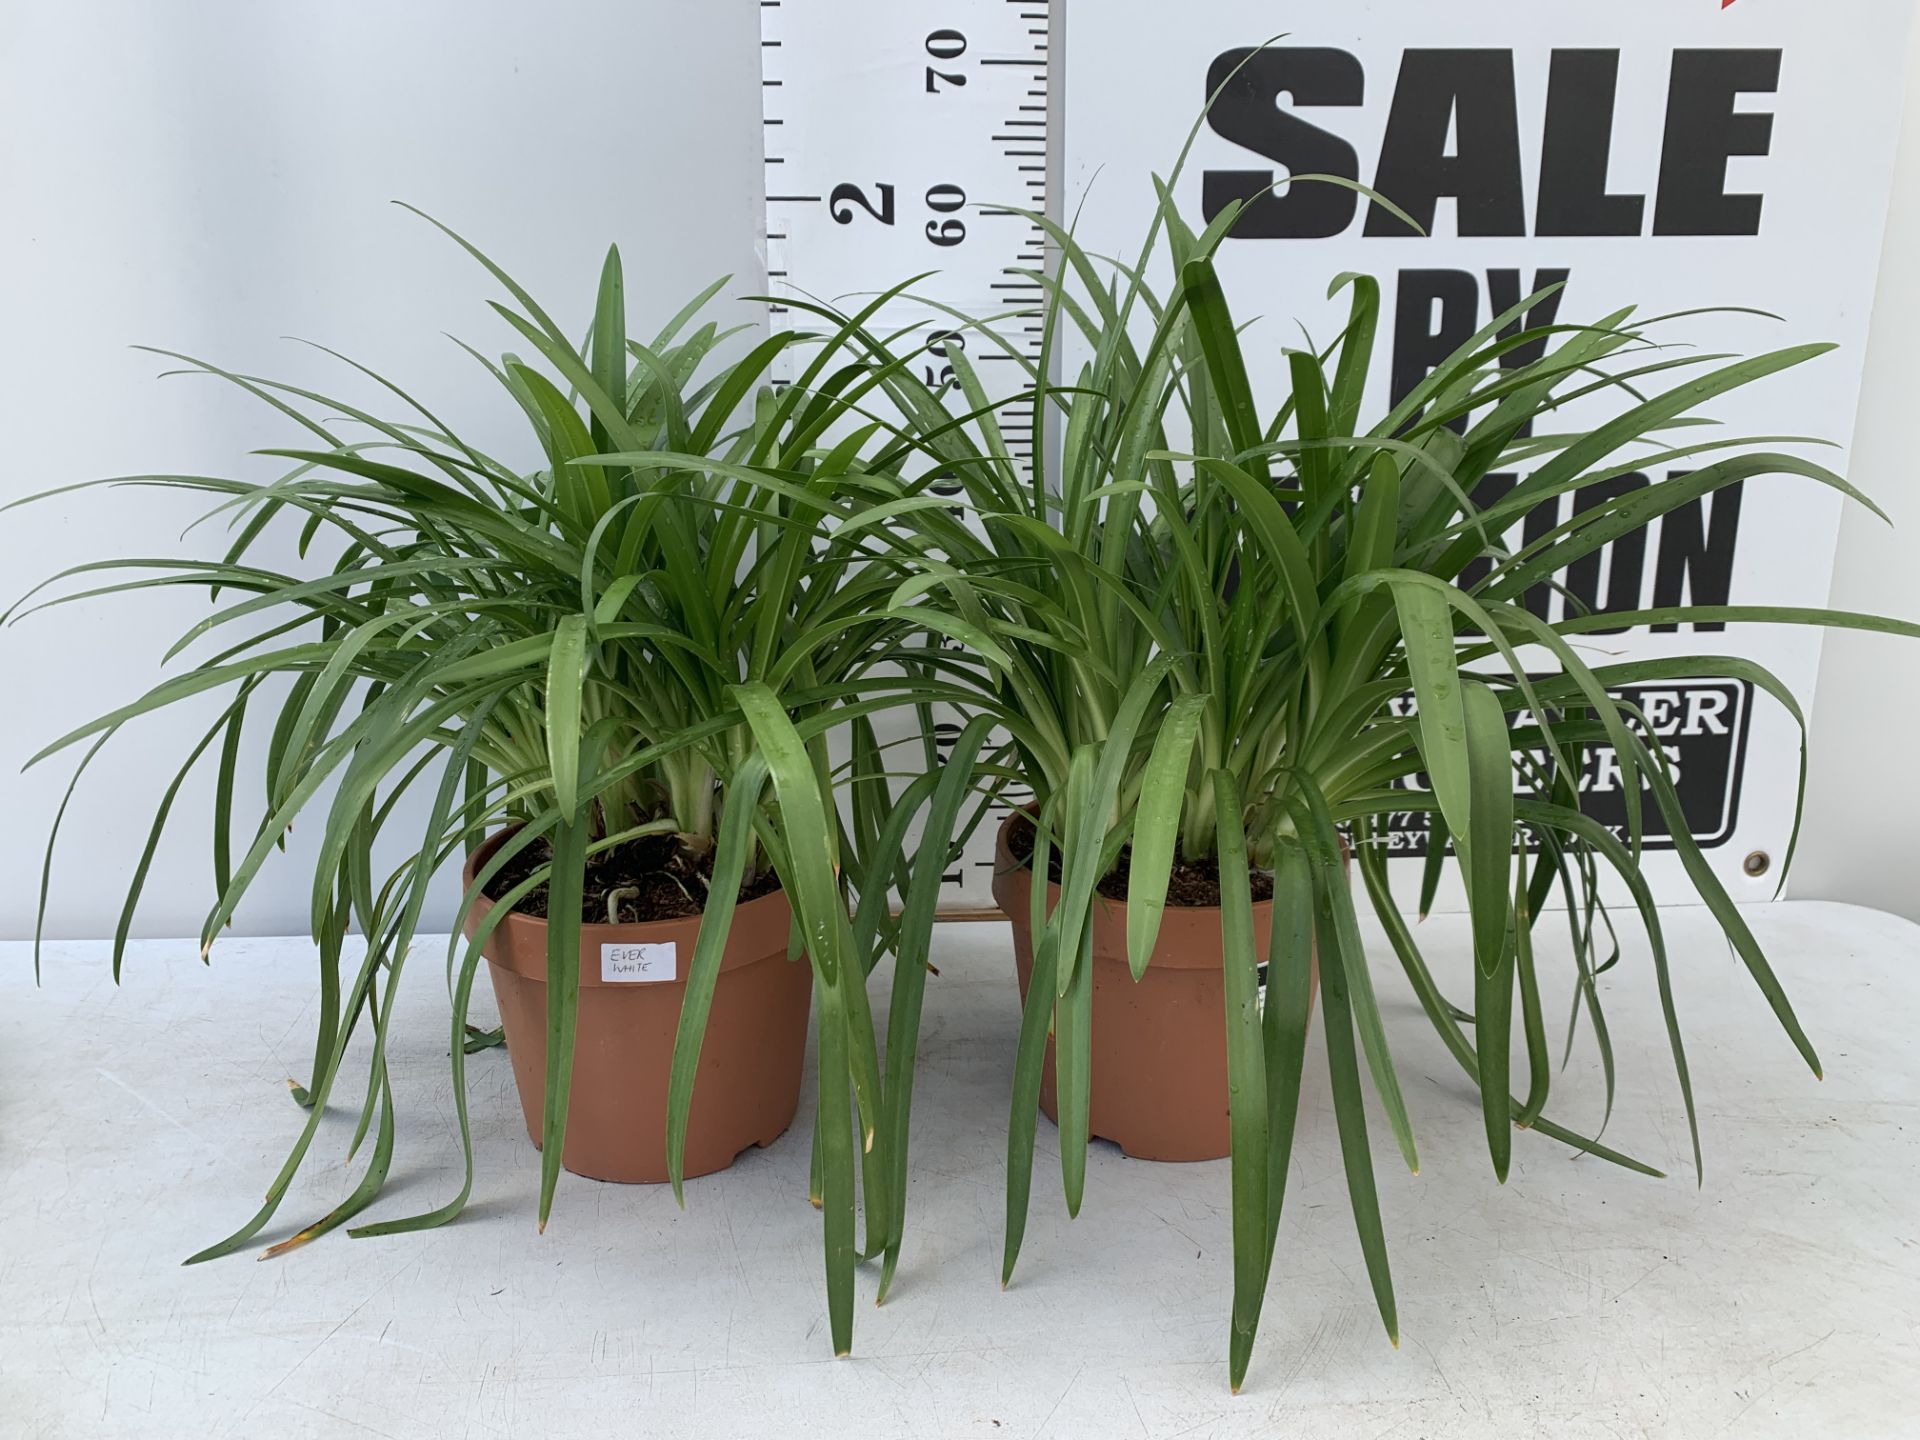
651	633
1208	615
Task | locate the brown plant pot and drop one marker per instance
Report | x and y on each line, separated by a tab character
748	1084
1158	1063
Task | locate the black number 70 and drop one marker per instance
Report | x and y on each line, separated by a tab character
945	45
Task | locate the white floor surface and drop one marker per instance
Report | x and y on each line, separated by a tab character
140	1123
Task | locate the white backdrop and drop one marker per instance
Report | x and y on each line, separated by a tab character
209	176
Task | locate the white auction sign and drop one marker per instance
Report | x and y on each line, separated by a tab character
1673	155
1665	154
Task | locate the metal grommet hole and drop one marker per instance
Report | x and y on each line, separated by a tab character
1756	863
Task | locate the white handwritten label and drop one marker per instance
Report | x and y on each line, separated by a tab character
638	964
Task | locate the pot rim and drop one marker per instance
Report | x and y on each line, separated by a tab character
744	912
1018	867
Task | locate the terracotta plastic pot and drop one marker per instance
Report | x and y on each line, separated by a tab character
632	982
1158	1063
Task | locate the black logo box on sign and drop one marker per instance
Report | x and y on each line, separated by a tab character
1700	726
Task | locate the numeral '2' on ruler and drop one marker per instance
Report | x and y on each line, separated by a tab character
896	133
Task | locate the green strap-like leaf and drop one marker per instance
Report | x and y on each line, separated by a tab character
566	673
1426	628
1532	1020
1739	934
1493	1039
1350	1116
1286	1016
1030	1053
1156	822
730	858
1441	1015
564	905
846	1044
1090	805
1486	855
836	1186
910	972
1246	1076
1073	1010
1226	367
1314	821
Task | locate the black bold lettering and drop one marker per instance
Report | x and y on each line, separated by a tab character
1248	113
1695	564
1628	563
1503	293
1471	93
1534	523
1703	132
1576	147
1435	312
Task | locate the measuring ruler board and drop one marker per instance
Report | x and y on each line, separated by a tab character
897	137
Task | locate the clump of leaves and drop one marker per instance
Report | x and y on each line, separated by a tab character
1205	619
653	633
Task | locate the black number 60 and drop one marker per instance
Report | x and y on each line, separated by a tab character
944	200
